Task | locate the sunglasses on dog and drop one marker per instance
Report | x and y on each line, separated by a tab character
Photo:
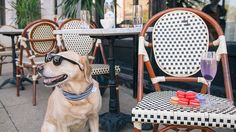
57	59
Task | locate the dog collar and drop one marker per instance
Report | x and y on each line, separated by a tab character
74	97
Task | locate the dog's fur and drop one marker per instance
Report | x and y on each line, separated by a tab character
62	113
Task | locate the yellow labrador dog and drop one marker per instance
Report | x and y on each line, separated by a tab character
76	98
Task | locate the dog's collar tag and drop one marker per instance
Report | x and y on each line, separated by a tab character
74	97
94	89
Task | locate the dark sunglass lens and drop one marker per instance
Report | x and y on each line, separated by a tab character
48	57
57	60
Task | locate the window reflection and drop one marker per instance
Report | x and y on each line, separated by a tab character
230	30
124	12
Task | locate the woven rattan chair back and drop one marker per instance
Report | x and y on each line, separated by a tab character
81	44
41	38
179	38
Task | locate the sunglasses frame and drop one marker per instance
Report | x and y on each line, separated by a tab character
63	58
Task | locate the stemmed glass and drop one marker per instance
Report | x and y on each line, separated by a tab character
208	70
85	18
137	16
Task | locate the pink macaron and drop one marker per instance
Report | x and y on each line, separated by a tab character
180	94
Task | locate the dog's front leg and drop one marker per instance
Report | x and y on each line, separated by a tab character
93	123
62	128
48	127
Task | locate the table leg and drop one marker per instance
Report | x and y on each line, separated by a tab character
135	65
13	79
113	120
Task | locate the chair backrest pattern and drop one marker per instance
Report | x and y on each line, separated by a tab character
179	39
171	41
41	38
81	44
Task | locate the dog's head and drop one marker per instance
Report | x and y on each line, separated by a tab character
64	67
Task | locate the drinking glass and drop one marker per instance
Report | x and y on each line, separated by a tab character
85	18
208	70
137	16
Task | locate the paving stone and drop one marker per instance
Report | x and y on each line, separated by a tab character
28	118
5	123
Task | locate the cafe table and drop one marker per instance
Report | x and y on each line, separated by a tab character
114	119
11	33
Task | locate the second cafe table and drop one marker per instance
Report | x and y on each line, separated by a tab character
13	33
114	119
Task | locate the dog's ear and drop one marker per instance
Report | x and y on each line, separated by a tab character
86	67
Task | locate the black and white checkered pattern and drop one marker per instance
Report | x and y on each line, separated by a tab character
156	108
100	69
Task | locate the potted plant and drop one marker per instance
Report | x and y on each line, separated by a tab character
26	11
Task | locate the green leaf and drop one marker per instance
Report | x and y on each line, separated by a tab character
70	7
26	11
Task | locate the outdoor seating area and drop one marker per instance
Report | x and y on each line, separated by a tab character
168	70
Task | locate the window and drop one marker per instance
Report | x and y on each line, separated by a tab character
230	30
226	14
124	12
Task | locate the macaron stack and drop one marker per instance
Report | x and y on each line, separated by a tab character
185	99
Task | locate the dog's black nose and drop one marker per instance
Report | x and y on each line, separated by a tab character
40	68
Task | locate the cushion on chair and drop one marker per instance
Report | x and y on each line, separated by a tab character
99	69
155	108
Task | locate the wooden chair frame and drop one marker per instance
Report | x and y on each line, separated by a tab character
31	52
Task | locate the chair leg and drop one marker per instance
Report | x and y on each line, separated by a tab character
18	75
137	126
137	130
155	127
1	60
34	76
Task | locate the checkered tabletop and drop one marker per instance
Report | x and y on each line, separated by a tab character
156	108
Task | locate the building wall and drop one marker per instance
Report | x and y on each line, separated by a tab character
47	11
10	16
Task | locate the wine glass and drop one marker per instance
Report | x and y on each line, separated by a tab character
137	16
208	70
85	18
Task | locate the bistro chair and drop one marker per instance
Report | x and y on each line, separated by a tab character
179	38
36	41
6	47
84	45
